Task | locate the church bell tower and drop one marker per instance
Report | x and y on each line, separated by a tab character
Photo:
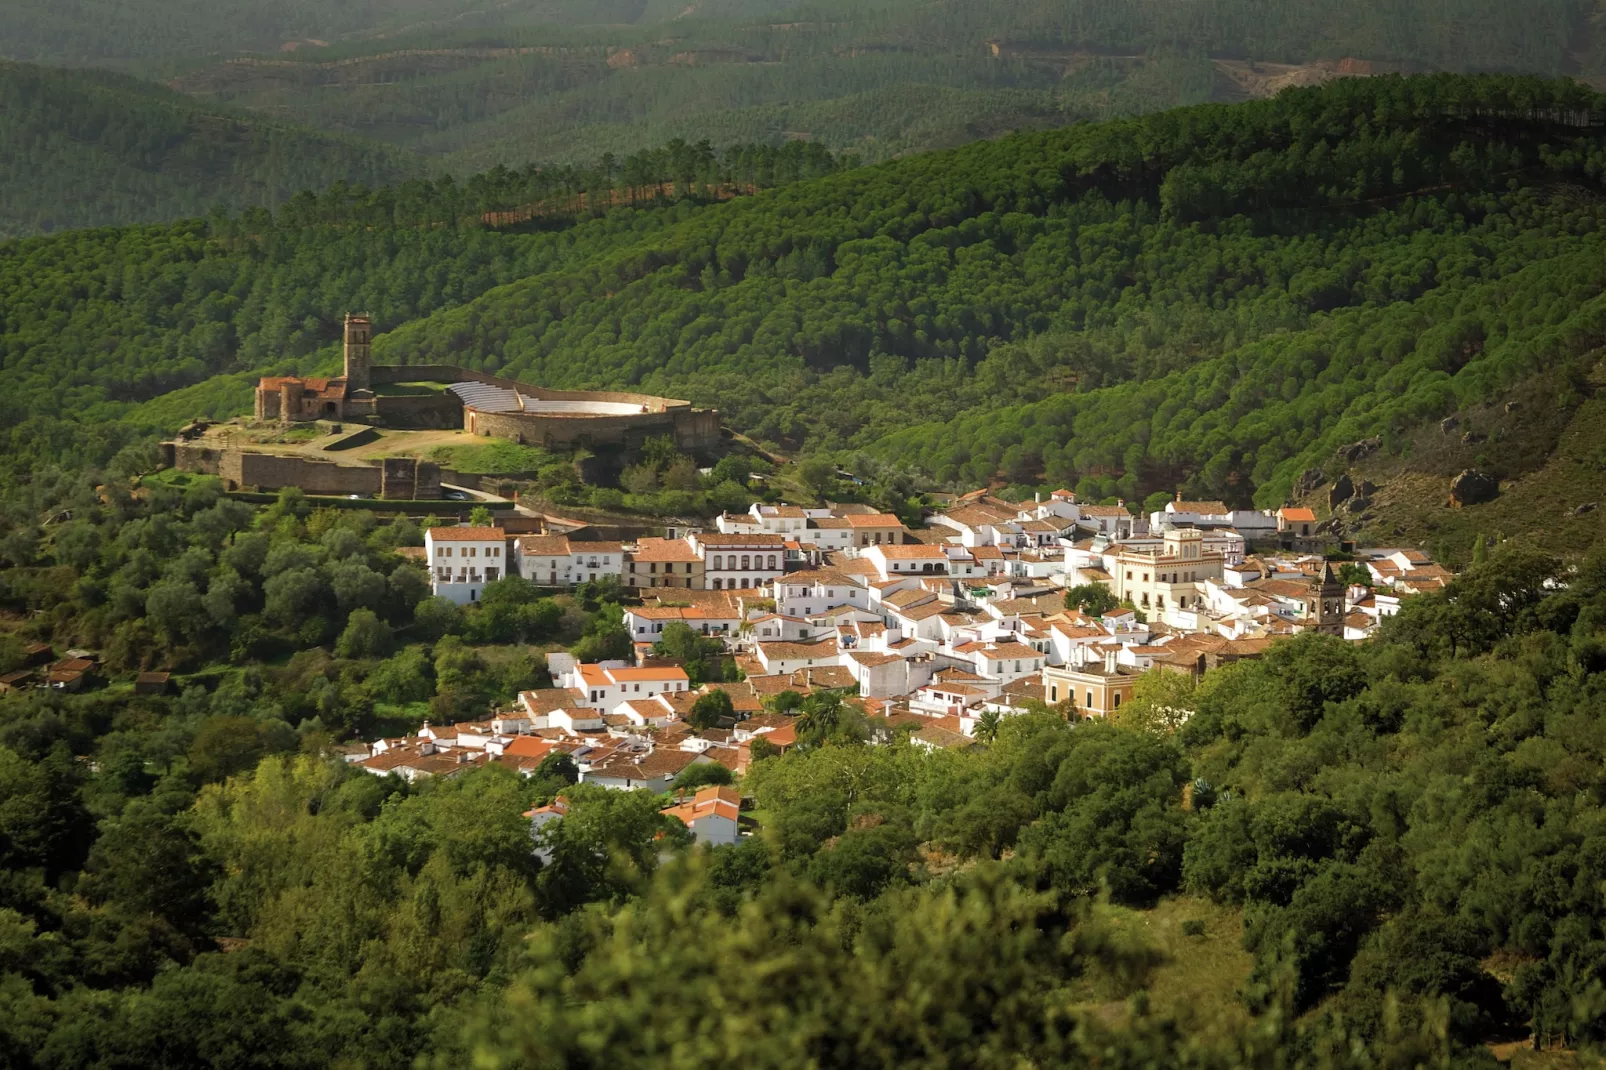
359	336
1330	593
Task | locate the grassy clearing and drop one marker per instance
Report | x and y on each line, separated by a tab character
1197	978
492	457
172	477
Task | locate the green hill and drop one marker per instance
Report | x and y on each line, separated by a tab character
1215	298
90	148
559	81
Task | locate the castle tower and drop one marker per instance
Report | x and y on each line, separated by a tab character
359	336
289	400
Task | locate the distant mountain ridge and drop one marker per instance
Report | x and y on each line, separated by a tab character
91	148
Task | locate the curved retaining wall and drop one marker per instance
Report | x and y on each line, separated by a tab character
692	429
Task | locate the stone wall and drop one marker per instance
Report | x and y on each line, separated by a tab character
406	479
692	429
267	471
423	411
697	429
396	478
187	458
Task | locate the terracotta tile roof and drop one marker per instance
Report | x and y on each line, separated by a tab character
662	672
716	540
979	515
1027	687
1281	588
674	550
823	577
872	660
829	677
1104	510
936	735
547	699
874	520
662	762
528	747
824	648
742	698
545	545
705	612
686	813
911	553
1203	508
318	387
1297	515
581	546
466	534
1012	650
765	720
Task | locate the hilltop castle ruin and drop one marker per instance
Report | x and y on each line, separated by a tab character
400	396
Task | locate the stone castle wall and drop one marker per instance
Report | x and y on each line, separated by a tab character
448	373
268	471
567	432
420	412
395	478
692	429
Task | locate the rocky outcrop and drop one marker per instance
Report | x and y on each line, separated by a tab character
1357	505
1449	424
1472	438
1308	480
1342	490
1586	509
1356	450
1472	487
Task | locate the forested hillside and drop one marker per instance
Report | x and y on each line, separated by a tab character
1209	298
456	88
89	148
1336	856
1382	855
559	82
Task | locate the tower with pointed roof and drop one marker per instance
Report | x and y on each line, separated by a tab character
1327	605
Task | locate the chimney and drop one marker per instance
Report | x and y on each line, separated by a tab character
1179	496
1111	660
